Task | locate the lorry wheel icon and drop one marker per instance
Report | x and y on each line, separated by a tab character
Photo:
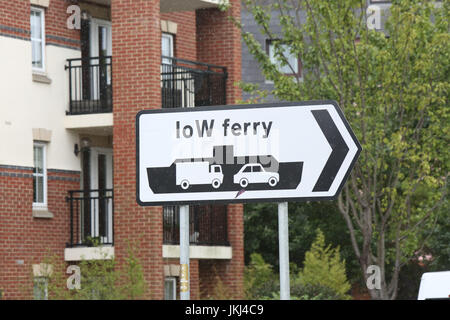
273	181
243	182
184	184
216	183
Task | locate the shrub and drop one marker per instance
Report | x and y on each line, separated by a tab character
100	279
259	278
323	268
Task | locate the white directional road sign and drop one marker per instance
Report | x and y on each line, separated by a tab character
266	152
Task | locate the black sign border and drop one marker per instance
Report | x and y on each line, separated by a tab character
246	106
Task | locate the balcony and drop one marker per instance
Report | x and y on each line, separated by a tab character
184	83
90	96
91	218
207	225
90	85
91	221
187	83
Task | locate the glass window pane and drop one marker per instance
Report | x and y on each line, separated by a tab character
291	59
272	54
40	289
102	44
37	34
169	288
39	190
36	53
167	47
34	189
36	27
38	159
38	174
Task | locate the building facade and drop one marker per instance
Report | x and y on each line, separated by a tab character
74	75
377	13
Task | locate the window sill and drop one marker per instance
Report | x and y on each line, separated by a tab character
42	213
41	77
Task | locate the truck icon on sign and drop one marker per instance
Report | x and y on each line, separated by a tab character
255	173
193	173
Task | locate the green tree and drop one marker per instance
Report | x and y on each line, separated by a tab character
261	232
393	88
438	246
323	266
259	278
262	282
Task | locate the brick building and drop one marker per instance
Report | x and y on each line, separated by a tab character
68	101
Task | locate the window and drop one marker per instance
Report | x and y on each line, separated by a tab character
293	60
170	288
39	176
167	47
40	288
37	38
248	169
256	169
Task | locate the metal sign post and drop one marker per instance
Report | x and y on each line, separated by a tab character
184	253
283	244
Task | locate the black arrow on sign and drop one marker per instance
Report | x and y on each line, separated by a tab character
338	153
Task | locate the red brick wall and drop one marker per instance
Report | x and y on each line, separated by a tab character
230	273
206	36
136	86
218	42
185	39
15	21
15	14
56	24
27	239
234	276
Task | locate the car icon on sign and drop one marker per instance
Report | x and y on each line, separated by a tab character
255	173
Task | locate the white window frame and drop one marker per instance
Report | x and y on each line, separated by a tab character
42	40
174	281
41	205
270	52
171	49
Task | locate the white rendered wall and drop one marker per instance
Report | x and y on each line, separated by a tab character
26	104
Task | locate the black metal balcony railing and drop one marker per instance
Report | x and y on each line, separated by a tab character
184	83
187	83
90	85
207	225
91	217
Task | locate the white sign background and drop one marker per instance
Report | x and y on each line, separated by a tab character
294	136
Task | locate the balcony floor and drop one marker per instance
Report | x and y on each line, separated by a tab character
100	124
